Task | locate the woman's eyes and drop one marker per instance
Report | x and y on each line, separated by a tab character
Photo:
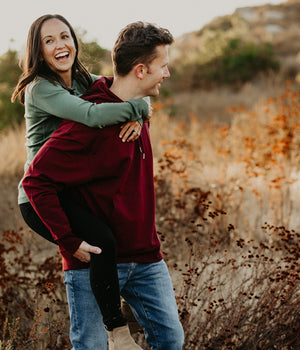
65	36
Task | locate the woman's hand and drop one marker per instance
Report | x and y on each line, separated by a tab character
84	250
131	131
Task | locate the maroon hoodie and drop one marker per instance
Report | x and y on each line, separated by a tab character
112	178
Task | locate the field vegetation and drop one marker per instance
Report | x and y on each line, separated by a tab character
227	213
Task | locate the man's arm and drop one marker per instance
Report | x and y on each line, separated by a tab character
56	166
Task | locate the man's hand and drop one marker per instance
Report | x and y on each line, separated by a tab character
84	250
131	131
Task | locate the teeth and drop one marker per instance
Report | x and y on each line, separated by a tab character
63	54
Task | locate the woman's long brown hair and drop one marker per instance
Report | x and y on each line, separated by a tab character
32	66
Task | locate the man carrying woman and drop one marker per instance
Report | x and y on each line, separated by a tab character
53	79
113	181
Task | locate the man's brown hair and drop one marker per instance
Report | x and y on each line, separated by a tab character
137	43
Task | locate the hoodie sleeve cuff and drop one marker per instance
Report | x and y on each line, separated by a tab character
70	243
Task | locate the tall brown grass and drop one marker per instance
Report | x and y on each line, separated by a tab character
12	150
227	216
250	167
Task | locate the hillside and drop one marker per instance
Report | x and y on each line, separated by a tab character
278	25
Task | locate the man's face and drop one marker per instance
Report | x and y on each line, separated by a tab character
157	71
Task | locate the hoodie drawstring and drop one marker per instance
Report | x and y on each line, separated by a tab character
141	147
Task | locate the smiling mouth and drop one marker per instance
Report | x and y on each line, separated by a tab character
62	56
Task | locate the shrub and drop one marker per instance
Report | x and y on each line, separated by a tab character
240	62
245	299
33	306
92	55
9	74
237	63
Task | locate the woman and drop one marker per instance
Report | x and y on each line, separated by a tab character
52	81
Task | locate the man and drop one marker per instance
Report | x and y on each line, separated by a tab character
115	181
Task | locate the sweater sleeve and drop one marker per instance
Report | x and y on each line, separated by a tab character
51	171
57	101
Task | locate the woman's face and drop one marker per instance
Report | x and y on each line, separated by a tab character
58	48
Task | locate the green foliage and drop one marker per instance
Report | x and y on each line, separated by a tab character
241	62
92	56
9	71
10	113
236	63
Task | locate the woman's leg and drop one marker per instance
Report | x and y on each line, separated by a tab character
103	271
34	222
103	268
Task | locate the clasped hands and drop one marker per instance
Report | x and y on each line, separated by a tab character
131	131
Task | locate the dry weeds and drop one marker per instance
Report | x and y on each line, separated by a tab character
12	151
227	213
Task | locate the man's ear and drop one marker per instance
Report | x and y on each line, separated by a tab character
140	71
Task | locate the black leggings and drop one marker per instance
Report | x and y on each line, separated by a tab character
103	268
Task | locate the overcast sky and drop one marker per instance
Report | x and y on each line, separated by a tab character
102	20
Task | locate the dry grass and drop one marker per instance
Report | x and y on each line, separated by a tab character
251	167
228	204
227	213
213	105
12	151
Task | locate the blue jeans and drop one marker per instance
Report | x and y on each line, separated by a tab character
148	290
